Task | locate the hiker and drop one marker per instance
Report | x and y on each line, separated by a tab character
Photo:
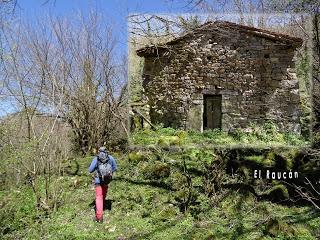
104	166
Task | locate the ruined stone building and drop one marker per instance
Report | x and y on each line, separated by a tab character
222	75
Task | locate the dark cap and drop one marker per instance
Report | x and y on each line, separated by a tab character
102	149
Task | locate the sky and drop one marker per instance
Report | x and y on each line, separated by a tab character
115	11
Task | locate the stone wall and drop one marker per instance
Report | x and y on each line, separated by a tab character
254	75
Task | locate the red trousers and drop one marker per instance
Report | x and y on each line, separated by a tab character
101	193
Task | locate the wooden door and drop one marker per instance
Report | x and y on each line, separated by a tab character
212	112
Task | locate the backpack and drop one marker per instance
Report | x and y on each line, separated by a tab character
104	168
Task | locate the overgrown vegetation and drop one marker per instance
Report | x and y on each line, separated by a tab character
187	199
267	134
173	184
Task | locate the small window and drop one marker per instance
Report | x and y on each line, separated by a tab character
267	55
209	58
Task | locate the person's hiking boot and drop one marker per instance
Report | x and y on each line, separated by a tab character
98	220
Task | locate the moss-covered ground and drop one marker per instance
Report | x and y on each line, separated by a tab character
254	136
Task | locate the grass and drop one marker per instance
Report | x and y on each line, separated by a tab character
266	135
146	209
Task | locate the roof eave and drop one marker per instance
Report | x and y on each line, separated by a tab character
151	51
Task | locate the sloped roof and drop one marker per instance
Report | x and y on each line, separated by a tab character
218	25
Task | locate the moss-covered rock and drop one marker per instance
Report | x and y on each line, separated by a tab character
269	161
275	227
155	170
278	160
182	134
136	157
166	141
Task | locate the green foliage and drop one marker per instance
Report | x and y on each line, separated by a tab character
255	135
303	70
17	210
267	161
21	156
316	140
292	139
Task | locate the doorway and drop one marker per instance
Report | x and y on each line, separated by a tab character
212	113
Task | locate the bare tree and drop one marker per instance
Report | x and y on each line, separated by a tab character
75	74
7	7
84	70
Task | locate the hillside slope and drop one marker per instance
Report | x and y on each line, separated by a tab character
148	209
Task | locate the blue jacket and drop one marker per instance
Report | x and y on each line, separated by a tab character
93	167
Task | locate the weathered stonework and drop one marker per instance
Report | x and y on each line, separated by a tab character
252	69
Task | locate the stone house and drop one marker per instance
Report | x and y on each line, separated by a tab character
222	75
